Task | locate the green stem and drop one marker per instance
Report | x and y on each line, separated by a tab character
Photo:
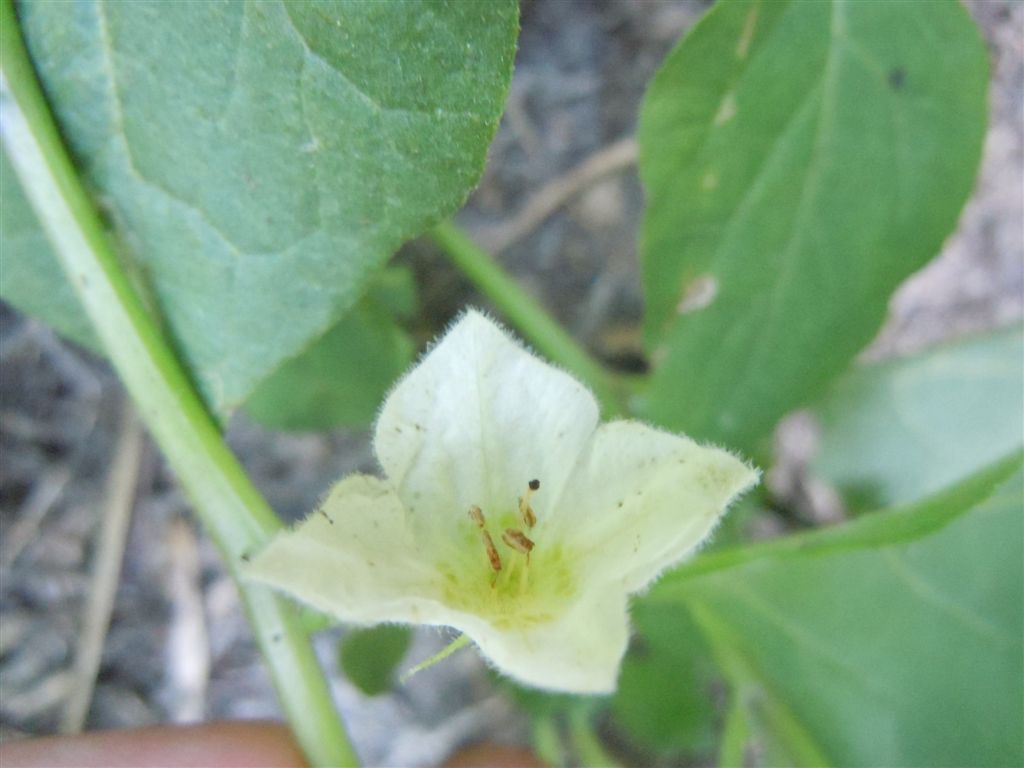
236	515
547	741
741	675
585	744
732	752
459	642
527	315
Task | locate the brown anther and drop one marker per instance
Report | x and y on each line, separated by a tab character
492	552
518	540
477	516
526	512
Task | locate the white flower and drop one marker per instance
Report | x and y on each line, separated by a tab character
508	513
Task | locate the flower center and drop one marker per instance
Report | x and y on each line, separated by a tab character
511	578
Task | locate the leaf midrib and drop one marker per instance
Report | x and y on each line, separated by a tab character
870	531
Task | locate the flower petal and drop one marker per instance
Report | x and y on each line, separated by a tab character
475	422
353	558
643	499
579	652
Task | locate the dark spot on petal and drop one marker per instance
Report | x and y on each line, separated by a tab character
534	485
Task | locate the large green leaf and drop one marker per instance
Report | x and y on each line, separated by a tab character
261	159
30	277
666	682
866	646
800	160
676	716
341	380
896	431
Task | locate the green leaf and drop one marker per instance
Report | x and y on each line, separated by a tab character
800	160
666	681
343	377
899	430
854	650
31	278
261	160
546	704
369	656
395	290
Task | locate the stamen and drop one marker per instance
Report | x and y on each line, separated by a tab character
518	540
492	552
477	516
525	510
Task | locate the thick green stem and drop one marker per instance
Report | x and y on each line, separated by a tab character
527	315
233	511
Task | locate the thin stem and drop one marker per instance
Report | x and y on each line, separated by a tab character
235	514
527	315
585	743
459	642
111	535
740	674
547	741
732	751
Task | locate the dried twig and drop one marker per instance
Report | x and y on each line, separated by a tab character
556	193
38	698
34	509
188	647
107	556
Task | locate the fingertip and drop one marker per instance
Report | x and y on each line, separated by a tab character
250	744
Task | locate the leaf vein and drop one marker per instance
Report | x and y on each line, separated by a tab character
808	192
369	99
807	642
120	134
928	593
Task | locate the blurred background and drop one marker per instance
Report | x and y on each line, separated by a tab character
560	205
